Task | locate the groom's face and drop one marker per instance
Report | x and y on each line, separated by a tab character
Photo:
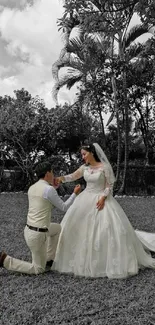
50	177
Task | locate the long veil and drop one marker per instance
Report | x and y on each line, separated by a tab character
103	158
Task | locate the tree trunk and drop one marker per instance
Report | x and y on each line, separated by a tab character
126	118
103	131
119	148
144	131
118	129
126	139
146	135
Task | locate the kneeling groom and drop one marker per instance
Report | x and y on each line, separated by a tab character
41	236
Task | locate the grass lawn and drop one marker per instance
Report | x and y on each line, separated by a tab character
53	298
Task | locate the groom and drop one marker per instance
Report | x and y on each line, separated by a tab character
41	236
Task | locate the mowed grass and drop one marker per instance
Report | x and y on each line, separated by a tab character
54	298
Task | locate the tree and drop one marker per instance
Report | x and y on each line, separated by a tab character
112	18
70	127
23	122
84	58
140	82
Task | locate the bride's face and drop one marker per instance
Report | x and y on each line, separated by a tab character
86	156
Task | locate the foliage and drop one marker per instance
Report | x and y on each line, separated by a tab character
110	21
30	133
110	16
23	121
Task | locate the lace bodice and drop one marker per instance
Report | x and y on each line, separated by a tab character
97	178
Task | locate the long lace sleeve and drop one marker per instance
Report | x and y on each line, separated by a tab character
109	181
74	176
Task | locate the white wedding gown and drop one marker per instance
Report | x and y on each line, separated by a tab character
101	243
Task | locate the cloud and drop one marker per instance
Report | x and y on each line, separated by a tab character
36	79
30	44
14	3
32	30
8	85
32	39
4	70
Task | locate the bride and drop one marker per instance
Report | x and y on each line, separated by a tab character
97	239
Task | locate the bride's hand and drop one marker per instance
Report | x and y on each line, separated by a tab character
59	179
100	203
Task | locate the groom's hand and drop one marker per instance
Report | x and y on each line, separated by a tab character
56	183
77	189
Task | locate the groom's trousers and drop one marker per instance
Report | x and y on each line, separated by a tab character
42	246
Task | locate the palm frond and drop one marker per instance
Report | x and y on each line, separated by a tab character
54	92
60	63
63	53
72	45
110	118
134	50
134	33
75	45
140	64
72	81
97	40
71	62
98	4
67	81
77	32
76	63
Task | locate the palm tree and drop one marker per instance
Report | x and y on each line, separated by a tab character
128	52
82	58
80	70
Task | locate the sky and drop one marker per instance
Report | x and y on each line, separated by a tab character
29	44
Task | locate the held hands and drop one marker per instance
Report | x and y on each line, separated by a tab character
59	180
55	183
100	203
77	189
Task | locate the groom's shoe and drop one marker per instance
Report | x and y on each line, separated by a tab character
49	265
3	255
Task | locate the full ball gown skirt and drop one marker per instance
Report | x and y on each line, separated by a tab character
101	243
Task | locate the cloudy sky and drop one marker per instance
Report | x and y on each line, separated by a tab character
29	45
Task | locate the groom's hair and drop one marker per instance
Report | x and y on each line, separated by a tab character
42	168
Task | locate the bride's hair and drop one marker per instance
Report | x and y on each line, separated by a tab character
90	148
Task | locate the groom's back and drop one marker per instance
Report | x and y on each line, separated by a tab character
39	213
